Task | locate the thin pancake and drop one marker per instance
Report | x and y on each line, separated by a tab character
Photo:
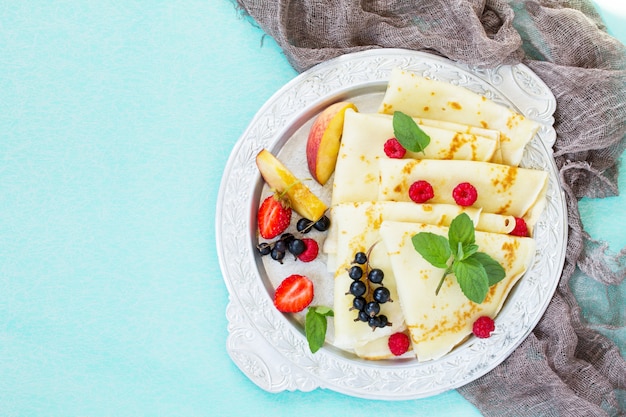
438	323
502	189
362	146
422	97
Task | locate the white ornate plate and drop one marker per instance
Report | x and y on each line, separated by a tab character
270	347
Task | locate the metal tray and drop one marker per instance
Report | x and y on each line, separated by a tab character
269	347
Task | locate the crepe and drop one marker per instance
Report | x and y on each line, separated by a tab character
502	189
357	229
435	214
422	97
438	323
362	146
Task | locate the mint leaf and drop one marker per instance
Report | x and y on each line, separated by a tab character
495	271
461	231
408	133
472	279
434	248
315	326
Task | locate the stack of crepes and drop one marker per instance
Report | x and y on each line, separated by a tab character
472	139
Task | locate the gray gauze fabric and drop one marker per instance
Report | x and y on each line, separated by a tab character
565	367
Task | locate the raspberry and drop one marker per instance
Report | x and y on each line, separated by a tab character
398	343
394	149
465	194
421	191
483	326
310	251
521	229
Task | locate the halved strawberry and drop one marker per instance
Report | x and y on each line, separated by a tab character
274	216
294	294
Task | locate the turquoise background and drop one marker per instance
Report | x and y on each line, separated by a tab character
116	121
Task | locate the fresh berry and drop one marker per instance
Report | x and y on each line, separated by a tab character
421	191
372	308
483	326
374	321
394	149
381	295
376	276
362	316
273	217
465	194
304	225
294	294
384	321
277	254
399	343
358	288
520	229
264	248
311	249
360	258
296	247
355	272
322	224
358	303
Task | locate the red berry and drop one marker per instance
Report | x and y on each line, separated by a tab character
421	191
273	217
294	294
399	343
394	149
465	194
311	249
483	326
520	229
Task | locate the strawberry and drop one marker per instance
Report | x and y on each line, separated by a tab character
274	216
294	294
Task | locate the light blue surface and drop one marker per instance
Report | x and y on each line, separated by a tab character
116	121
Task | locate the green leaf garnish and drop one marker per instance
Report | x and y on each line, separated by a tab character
472	279
475	271
495	271
408	133
315	325
461	231
433	248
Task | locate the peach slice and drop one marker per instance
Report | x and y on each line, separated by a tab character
322	145
279	178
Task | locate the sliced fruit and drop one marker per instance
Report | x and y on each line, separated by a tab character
281	180
274	216
294	294
322	145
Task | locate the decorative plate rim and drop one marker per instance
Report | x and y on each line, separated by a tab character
269	347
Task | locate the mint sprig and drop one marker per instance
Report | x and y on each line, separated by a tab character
475	271
315	325
408	133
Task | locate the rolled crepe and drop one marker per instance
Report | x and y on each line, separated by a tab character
422	97
435	214
362	146
502	189
438	323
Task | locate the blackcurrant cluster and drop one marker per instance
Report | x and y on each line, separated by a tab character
304	226
278	248
368	291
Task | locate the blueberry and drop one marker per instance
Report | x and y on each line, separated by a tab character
322	224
